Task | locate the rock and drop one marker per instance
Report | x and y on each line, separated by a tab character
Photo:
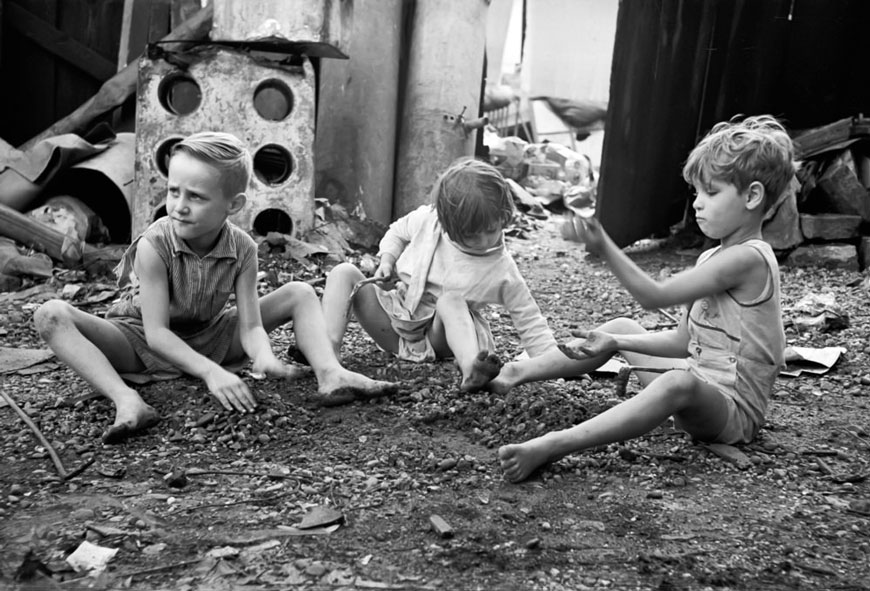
782	231
441	527
830	226
830	256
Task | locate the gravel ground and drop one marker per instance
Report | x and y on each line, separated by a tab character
660	512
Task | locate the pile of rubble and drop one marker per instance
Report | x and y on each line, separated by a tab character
544	174
824	219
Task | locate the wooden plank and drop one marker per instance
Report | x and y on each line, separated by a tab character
121	86
6	150
25	91
143	21
59	43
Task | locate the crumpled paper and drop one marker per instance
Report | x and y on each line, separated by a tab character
90	557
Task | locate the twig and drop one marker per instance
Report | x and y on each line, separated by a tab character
668	315
819	570
242	502
625	372
81	468
54	457
157	569
269	475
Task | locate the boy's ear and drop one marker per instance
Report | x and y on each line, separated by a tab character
237	203
755	195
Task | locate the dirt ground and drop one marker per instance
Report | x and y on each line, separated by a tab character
661	512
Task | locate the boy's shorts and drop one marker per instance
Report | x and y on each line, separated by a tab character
739	426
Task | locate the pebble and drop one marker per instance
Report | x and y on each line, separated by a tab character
83	514
447	464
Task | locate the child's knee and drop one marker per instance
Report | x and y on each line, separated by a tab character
622	326
679	386
297	292
49	316
344	270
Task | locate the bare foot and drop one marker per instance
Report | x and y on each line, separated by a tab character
485	367
131	419
519	460
343	386
504	382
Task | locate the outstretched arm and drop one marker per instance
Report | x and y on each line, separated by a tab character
228	388
667	343
730	270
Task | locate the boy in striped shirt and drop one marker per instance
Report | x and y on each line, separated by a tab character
185	267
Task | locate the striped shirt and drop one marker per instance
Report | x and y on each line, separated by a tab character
199	291
199	287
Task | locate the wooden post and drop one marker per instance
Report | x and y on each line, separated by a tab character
355	146
445	67
122	85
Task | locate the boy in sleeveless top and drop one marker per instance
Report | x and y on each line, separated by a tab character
728	347
183	270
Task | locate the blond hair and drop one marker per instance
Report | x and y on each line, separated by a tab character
225	152
742	151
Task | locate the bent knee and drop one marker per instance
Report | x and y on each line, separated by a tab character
344	270
50	315
680	385
297	291
622	325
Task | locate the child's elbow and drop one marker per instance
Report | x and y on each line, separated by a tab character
648	302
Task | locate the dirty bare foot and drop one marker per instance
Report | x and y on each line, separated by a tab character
505	381
520	460
343	386
131	419
485	367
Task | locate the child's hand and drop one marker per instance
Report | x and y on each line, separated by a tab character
384	271
591	343
230	390
583	229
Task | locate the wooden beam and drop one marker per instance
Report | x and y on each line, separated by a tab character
59	43
7	151
122	85
26	230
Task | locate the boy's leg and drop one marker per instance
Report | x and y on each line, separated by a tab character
298	302
554	364
97	350
453	333
702	408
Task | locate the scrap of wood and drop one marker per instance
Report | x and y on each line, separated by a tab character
13	262
8	152
27	231
23	415
122	85
441	527
59	43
